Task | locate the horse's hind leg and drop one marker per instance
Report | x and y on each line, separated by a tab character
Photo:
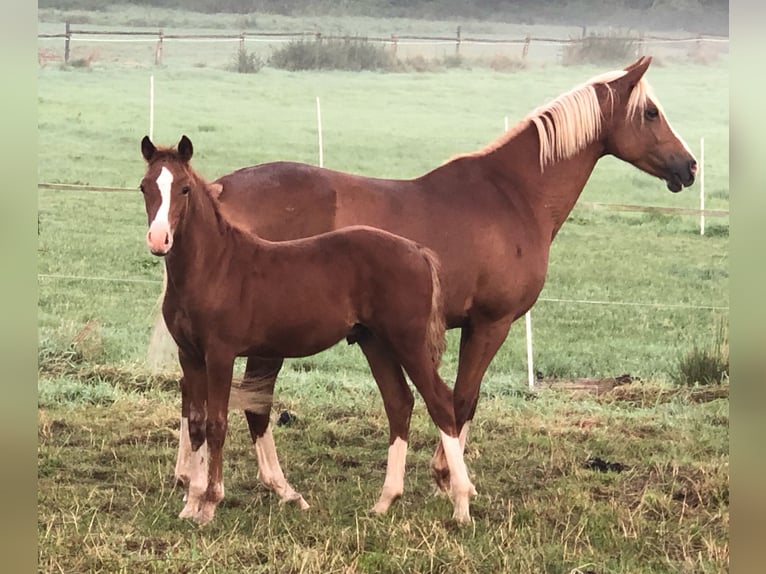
258	387
398	402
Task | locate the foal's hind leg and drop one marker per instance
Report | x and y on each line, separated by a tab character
398	402
260	377
438	399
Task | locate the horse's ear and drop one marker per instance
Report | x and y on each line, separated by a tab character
633	75
147	148
215	189
636	70
185	149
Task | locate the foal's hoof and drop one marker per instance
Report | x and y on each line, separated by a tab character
189	511
205	514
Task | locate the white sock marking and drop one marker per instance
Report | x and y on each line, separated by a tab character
271	473
393	486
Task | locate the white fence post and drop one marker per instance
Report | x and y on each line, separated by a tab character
151	107
530	366
702	186
319	131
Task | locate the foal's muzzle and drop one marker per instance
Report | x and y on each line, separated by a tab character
159	239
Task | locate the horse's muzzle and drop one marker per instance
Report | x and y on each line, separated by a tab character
681	175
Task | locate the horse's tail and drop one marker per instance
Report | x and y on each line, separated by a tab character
436	324
162	351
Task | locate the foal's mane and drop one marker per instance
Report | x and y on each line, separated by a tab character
171	155
570	122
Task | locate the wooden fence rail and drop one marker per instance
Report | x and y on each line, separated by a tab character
582	204
393	40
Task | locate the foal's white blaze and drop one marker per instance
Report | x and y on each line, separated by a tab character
160	236
393	486
270	472
460	484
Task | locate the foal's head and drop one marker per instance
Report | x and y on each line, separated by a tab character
166	185
638	131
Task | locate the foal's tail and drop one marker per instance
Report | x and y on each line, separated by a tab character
436	324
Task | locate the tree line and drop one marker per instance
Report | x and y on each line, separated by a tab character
702	16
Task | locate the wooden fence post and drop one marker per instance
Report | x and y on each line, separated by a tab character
525	50
457	43
158	51
394	42
66	42
242	42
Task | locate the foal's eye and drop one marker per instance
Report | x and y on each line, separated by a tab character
141	187
185	190
651	113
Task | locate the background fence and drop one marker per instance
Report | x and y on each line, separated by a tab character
155	46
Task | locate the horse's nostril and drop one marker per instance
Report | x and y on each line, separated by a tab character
693	167
167	239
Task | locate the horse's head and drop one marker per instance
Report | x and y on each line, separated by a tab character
637	130
165	186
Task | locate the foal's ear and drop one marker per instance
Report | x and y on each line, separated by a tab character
147	148
185	149
215	189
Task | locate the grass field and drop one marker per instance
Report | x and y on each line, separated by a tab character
107	429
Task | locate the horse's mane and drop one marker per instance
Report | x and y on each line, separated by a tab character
570	122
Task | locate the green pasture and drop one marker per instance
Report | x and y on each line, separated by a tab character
389	125
108	429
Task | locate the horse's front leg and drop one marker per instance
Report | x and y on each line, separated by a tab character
479	342
219	369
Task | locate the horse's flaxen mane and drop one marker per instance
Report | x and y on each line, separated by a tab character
573	120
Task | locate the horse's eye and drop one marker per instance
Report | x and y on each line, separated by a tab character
185	189
141	187
651	113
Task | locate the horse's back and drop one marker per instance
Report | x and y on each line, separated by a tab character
279	200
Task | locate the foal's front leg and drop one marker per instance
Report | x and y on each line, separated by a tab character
219	370
183	459
196	467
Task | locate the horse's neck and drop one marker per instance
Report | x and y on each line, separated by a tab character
552	193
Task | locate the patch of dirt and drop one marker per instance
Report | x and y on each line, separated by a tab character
591	385
155	546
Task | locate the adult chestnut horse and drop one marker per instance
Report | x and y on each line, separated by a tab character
490	216
230	293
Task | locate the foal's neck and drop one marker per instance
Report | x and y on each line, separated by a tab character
207	245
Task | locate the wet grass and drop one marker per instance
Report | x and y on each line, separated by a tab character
107	500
